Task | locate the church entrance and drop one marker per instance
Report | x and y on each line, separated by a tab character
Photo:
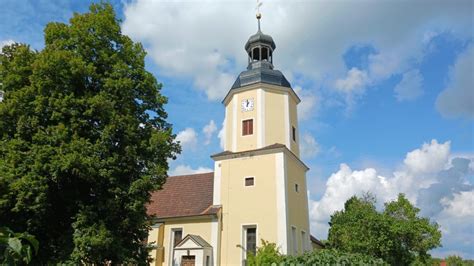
188	260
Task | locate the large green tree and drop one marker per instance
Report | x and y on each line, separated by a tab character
83	141
397	235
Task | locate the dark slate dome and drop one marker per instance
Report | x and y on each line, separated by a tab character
264	75
259	37
260	49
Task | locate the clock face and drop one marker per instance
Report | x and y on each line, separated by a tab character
247	105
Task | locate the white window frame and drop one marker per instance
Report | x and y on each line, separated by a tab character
294	240
304	242
243	242
172	230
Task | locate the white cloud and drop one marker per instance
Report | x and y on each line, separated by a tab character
208	131
341	186
456	224
430	177
206	44
309	147
457	99
221	136
410	87
352	86
187	138
461	205
4	43
309	105
354	83
432	157
186	170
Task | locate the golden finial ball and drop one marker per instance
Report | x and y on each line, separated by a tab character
259	16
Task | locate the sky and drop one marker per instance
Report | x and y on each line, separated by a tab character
387	90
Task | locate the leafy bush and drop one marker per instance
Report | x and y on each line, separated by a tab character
331	257
16	248
269	255
455	260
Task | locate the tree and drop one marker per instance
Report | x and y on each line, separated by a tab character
16	248
83	141
397	235
411	235
455	260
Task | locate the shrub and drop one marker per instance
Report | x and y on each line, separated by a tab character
268	254
331	257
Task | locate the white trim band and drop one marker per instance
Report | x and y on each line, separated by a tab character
281	202
234	123
287	120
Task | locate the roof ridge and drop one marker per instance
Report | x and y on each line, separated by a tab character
205	173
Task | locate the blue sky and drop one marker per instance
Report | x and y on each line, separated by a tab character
386	86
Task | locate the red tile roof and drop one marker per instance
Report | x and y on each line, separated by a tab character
186	195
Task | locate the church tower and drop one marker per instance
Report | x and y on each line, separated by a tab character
260	180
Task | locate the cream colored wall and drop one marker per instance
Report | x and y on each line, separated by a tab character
279	112
228	120
294	145
298	214
275	117
241	205
155	236
248	142
201	227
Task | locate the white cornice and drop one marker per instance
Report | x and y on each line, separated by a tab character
264	86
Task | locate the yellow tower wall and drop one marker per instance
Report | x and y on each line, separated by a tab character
247	205
293	113
274	115
275	129
298	215
155	237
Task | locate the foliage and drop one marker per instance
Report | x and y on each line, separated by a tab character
16	248
397	235
83	142
426	262
332	257
266	254
455	260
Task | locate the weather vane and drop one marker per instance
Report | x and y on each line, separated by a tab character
259	16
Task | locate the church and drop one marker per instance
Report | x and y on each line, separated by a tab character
258	187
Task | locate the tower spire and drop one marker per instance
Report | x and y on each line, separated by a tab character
259	15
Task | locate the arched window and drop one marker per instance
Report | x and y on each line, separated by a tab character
264	54
256	54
